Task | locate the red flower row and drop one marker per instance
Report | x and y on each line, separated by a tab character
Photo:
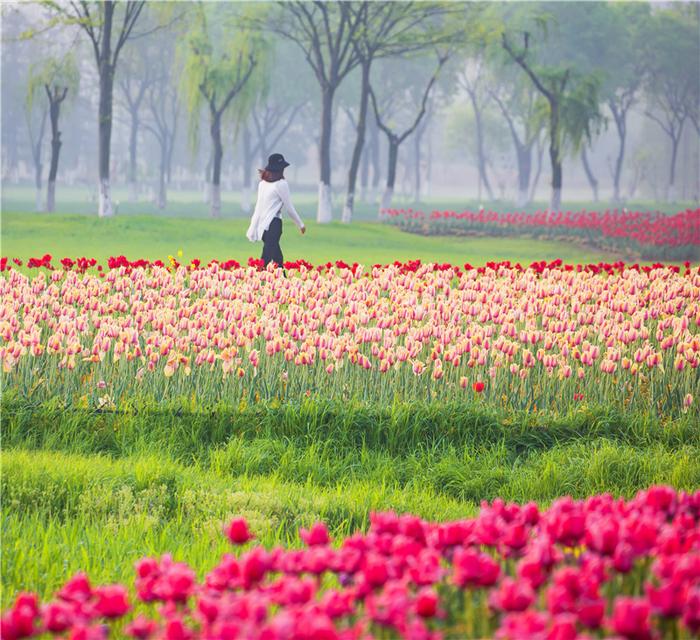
576	570
650	229
82	265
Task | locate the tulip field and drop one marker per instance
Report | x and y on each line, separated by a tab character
214	449
651	235
549	337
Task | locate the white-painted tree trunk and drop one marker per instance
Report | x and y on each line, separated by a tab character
51	197
522	197
162	196
555	204
325	205
37	201
215	204
133	192
104	196
387	197
206	193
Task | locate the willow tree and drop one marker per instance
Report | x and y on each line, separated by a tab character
559	68
57	79
108	25
221	55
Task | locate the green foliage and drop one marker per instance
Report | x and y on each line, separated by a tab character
215	52
53	72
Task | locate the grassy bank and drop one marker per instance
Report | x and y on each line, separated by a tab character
96	491
68	512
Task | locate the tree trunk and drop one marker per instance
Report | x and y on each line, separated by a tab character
621	125
51	196
325	205
524	156
359	143
364	174
54	112
555	157
215	204
133	141
538	172
391	175
480	155
374	157
671	193
106	72
589	174
416	159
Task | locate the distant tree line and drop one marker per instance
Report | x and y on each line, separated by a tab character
552	76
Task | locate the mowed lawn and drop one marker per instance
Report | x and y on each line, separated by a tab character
27	235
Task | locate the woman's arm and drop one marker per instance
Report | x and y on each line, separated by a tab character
283	191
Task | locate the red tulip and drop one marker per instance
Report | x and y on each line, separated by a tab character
632	618
317	535
512	595
237	531
474	569
426	603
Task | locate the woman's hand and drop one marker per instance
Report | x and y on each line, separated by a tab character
303	230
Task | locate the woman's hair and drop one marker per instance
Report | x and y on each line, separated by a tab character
271	176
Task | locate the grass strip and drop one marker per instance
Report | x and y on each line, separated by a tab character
397	430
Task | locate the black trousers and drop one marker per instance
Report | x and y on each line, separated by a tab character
272	252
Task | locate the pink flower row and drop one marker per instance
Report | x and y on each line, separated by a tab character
580	569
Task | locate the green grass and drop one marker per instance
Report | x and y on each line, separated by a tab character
140	230
27	235
96	491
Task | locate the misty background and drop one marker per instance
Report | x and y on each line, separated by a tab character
459	86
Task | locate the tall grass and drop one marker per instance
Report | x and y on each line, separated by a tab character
398	429
64	512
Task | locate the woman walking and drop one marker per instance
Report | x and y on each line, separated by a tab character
266	223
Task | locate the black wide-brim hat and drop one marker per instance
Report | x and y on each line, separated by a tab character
276	163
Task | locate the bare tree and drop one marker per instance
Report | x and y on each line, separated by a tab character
136	78
471	79
394	138
98	21
163	106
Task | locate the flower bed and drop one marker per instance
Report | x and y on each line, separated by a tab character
579	569
550	335
652	235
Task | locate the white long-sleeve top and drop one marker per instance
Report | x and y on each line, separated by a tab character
272	197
